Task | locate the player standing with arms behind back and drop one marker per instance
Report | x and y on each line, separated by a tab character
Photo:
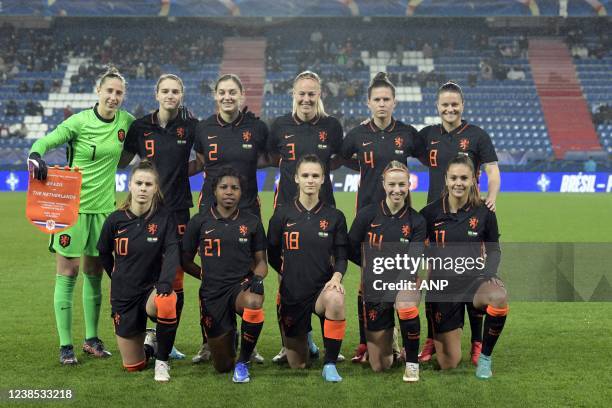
308	129
94	141
235	138
375	144
437	145
165	137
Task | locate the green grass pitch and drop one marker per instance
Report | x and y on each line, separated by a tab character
550	354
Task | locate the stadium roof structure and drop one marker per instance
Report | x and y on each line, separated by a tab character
305	8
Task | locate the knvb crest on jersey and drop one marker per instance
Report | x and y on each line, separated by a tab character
464	144
244	230
121	135
180	135
399	144
246	138
405	233
322	139
152	229
323	224
473	222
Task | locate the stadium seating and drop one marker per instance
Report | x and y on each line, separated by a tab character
509	110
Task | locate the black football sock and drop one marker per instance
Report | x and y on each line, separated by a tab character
493	325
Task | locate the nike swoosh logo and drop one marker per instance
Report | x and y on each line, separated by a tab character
148	133
435	141
437	224
291	224
209	231
121	231
288	136
366	143
211	137
375	225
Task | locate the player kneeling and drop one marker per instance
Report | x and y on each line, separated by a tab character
391	221
232	248
142	237
459	227
308	247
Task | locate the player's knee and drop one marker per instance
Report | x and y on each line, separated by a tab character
253	301
378	366
448	362
498	298
296	364
166	308
335	303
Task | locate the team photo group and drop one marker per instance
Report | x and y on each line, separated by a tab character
148	243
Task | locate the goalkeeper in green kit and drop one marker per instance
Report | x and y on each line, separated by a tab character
94	142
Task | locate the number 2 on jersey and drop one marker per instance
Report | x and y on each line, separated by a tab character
212	153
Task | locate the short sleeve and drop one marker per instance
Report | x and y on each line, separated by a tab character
262	135
486	151
336	136
348	145
198	145
131	141
191	239
274	137
259	241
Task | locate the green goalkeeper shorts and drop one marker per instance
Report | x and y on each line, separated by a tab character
80	239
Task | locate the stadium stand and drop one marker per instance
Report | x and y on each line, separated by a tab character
60	61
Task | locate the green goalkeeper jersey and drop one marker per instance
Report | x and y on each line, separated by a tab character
94	145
